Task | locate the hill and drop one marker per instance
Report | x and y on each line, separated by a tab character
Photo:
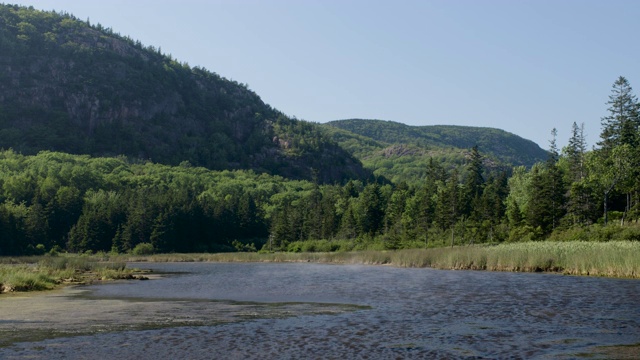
400	152
70	86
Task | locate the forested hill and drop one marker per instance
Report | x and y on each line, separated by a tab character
70	86
400	152
500	144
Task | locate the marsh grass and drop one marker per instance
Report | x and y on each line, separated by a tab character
613	259
47	272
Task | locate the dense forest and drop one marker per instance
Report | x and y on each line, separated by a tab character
107	144
78	203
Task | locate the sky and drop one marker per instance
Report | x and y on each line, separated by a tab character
525	66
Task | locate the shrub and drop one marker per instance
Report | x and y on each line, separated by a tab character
143	249
55	250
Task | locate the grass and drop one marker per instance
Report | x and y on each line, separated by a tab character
48	272
612	259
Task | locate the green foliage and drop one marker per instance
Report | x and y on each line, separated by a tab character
46	272
143	249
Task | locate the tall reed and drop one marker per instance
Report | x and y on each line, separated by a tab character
46	272
614	258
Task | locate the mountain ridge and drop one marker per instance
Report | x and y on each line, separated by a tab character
400	152
393	132
66	85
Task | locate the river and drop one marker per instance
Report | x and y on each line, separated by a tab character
301	311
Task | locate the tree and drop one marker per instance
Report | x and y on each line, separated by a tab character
473	186
373	207
607	170
621	125
574	152
578	195
475	181
448	204
556	189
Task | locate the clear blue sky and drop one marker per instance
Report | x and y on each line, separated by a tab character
525	66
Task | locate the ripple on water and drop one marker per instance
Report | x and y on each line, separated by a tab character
414	313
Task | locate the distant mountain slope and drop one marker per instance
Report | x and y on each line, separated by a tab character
505	146
69	86
399	152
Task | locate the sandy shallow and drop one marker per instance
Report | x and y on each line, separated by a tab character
80	322
71	311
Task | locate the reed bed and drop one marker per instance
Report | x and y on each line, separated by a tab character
612	259
47	272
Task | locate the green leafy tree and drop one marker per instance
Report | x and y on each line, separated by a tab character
607	170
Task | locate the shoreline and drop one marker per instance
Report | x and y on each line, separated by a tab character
616	259
34	317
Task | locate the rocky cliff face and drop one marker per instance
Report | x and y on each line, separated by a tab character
68	86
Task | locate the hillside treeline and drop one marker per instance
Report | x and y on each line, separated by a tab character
78	203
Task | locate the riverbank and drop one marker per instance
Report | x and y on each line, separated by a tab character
611	259
50	272
619	259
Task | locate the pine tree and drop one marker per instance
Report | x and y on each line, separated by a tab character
556	189
621	129
448	204
574	152
579	202
373	209
475	180
473	186
621	125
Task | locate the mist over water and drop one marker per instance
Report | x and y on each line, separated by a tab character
405	313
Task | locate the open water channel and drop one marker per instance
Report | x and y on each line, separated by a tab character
312	311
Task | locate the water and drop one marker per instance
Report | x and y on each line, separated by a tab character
401	313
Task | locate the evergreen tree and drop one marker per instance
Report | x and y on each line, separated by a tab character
475	181
621	125
448	204
556	189
622	128
372	205
579	206
473	186
540	211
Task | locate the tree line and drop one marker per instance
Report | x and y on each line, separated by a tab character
78	203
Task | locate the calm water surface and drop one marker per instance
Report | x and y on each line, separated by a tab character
407	313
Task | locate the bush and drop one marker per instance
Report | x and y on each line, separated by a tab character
55	250
143	249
